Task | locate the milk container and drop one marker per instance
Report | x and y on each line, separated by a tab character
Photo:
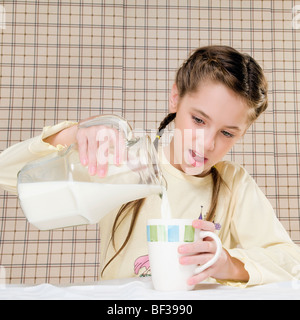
57	191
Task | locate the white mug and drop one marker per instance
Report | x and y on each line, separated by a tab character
164	238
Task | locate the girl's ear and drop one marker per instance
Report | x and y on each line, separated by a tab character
173	100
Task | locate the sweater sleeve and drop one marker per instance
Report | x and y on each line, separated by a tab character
258	238
13	159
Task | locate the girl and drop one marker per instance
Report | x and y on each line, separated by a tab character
222	92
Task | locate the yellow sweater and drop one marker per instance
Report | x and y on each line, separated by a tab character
246	222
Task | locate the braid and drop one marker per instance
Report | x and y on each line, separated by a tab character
168	119
217	182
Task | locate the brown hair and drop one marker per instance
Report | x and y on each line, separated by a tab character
222	64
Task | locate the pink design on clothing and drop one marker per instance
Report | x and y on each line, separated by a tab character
140	263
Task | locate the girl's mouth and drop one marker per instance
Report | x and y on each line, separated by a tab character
196	159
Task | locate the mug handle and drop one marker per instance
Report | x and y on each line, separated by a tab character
204	234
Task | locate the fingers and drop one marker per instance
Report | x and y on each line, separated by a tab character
199	253
87	148
204	225
110	138
82	148
102	153
200	277
92	151
94	146
198	247
199	259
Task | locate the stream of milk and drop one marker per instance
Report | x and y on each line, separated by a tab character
165	206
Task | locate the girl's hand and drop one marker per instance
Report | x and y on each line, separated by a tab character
94	145
200	252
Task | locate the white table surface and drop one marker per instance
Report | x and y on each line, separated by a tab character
142	289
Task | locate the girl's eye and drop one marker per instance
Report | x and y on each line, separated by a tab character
227	134
198	121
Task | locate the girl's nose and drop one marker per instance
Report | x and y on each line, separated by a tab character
209	140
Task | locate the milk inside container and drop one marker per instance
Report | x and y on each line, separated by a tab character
57	191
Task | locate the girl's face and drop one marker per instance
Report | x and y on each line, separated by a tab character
223	118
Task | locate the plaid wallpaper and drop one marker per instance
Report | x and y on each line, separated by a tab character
73	59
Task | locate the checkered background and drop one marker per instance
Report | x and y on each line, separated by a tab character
73	59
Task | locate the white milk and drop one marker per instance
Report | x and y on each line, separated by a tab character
165	206
58	204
